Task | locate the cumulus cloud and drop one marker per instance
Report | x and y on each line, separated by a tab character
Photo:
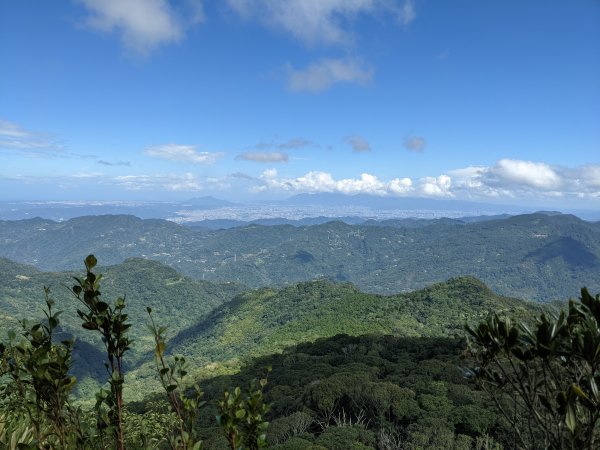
526	173
183	153
512	178
264	157
142	24
320	21
318	181
436	186
507	179
400	186
358	144
326	73
415	143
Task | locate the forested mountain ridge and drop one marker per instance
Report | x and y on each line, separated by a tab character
355	368
534	256
266	320
219	325
177	298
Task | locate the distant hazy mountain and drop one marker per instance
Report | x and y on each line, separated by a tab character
535	256
207	202
66	210
217	224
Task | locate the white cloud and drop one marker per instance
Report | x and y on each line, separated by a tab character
30	143
142	24
320	21
415	143
264	157
504	180
527	173
326	73
517	178
366	184
436	186
269	174
11	130
590	176
407	12
172	182
400	186
183	153
317	181
186	181
358	144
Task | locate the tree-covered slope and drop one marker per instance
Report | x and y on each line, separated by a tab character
266	320
179	300
367	392
535	256
55	246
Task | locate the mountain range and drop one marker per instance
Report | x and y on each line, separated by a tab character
218	326
539	256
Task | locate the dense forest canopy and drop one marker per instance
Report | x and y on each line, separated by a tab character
541	257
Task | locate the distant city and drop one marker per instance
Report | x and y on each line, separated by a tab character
352	209
255	212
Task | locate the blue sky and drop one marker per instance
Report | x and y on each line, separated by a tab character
493	101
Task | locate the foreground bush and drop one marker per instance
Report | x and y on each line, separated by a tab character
35	388
544	379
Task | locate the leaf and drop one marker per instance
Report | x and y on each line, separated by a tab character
52	322
90	262
571	418
90	325
584	397
594	388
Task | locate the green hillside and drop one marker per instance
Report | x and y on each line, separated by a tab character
217	326
265	320
537	256
407	391
144	283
